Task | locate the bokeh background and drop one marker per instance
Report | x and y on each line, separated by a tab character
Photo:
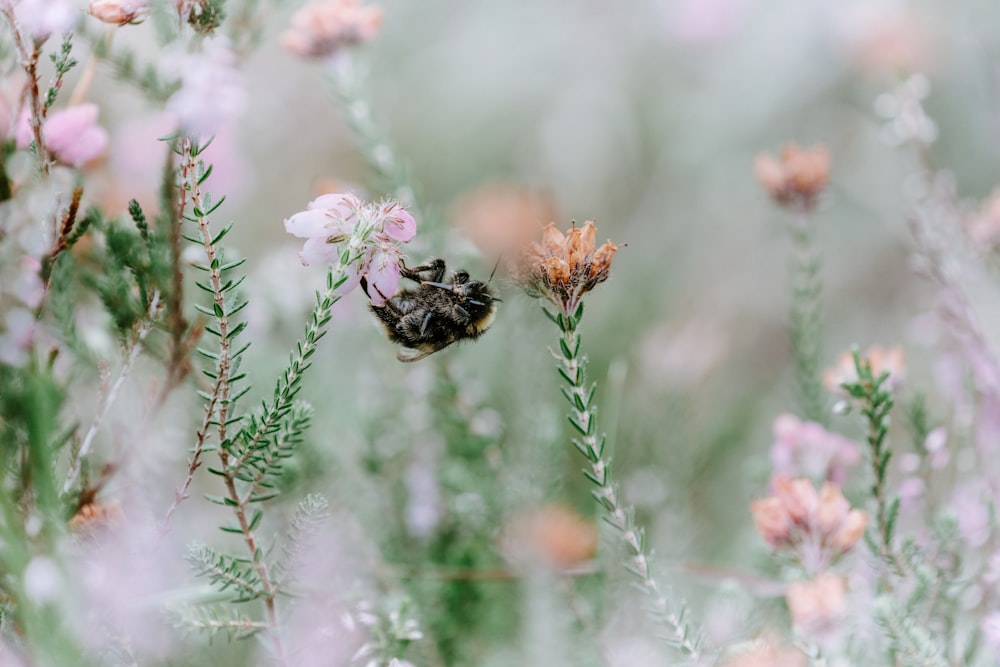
644	117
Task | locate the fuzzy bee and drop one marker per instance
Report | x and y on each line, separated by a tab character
436	314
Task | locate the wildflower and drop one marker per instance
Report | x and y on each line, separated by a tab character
71	136
817	527
797	177
816	606
882	360
211	92
806	448
762	652
500	219
362	236
117	12
324	27
554	535
564	268
41	18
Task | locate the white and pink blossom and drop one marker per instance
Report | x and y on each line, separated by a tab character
363	237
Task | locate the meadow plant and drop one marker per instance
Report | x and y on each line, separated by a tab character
204	465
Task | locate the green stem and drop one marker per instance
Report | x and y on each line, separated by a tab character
805	320
572	367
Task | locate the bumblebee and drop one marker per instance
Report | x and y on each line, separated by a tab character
436	314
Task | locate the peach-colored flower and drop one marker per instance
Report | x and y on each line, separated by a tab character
762	652
324	27
817	606
796	177
117	12
553	535
817	527
882	360
501	219
564	268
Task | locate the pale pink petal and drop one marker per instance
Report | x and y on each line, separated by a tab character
400	225
22	130
316	250
309	224
353	279
383	278
341	203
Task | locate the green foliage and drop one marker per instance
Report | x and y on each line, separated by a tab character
806	324
225	572
63	62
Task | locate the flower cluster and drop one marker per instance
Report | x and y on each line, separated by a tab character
817	527
118	12
883	360
362	236
562	268
806	448
323	28
797	177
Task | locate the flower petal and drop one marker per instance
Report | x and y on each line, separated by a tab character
316	250
383	278
400	225
309	224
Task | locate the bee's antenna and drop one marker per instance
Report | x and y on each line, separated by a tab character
495	267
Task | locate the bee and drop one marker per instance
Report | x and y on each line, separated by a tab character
436	314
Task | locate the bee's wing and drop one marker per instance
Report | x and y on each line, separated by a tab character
410	354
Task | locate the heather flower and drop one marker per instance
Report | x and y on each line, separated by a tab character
211	93
882	360
117	12
501	218
72	136
362	236
324	27
561	268
806	448
555	536
762	652
41	18
817	527
797	177
817	606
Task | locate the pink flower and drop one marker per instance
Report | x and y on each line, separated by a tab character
117	12
324	27
806	448
72	136
891	361
817	606
211	93
817	527
362	237
42	18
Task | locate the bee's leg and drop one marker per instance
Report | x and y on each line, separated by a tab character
460	277
426	323
364	286
462	313
435	271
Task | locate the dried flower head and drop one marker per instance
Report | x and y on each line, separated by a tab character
817	527
554	536
117	12
883	360
564	268
323	28
797	177
362	236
